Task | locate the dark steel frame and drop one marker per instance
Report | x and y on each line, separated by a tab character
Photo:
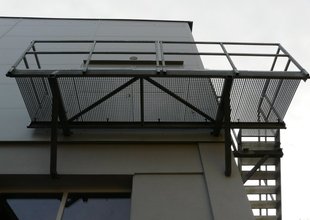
222	119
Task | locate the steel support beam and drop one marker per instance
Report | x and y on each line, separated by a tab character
161	124
255	168
61	110
242	74
54	134
224	104
58	111
227	112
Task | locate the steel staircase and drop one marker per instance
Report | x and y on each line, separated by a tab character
258	156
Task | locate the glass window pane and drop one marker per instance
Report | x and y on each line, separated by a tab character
29	209
97	208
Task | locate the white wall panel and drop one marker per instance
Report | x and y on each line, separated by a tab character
8	21
14	124
128	159
168	197
29	159
227	195
101	159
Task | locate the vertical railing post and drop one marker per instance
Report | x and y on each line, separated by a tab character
229	59
294	61
142	101
157	56
162	56
21	57
36	56
89	57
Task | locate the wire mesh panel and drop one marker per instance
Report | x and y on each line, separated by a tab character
77	94
203	95
37	97
261	100
251	99
80	93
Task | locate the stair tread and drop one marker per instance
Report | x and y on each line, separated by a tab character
264	204
261	189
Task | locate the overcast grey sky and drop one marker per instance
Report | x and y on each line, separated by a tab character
283	21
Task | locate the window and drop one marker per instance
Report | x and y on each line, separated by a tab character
96	206
29	207
65	206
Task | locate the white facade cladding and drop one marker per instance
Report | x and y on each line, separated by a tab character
156	155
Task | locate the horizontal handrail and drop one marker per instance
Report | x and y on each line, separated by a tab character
166	53
165	42
160	52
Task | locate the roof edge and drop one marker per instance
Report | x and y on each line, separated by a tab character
190	23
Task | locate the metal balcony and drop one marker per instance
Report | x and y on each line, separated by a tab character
156	84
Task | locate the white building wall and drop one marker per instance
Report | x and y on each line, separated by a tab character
103	159
169	180
170	197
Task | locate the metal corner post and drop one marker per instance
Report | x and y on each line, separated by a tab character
227	112
54	127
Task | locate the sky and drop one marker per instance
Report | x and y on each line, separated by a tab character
283	21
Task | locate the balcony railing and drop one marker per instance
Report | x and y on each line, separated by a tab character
159	52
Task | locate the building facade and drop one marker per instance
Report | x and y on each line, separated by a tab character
125	122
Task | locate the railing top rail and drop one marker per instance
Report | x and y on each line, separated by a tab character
153	41
224	50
